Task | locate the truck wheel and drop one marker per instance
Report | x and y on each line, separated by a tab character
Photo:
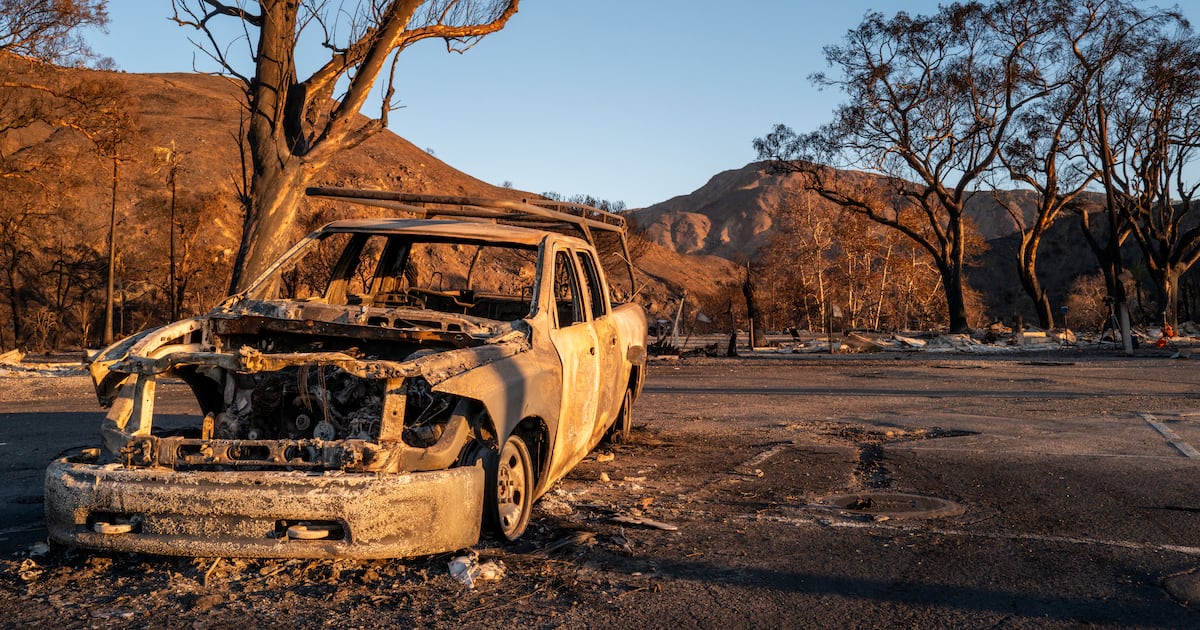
618	433
509	491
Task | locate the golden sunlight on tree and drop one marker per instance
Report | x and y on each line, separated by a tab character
298	124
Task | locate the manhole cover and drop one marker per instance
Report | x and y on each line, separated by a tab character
893	504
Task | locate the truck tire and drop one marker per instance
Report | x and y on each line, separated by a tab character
508	495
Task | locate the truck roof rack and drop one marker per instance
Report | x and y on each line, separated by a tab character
537	213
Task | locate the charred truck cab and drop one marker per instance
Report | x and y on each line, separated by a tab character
386	389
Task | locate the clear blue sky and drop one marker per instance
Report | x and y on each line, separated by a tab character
636	100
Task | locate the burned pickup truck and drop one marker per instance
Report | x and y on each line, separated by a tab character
385	389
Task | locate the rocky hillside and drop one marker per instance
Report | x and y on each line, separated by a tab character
736	214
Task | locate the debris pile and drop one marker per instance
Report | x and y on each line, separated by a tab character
18	363
468	570
994	338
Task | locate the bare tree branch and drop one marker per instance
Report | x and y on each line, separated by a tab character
48	30
296	123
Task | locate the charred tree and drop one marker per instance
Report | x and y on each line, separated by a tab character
48	30
298	124
1160	192
38	38
758	336
930	100
1110	69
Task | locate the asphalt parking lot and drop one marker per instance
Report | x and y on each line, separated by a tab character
1040	490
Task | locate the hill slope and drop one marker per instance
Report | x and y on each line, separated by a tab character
199	116
736	213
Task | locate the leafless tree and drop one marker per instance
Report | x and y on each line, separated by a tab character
1044	152
169	161
110	127
823	256
930	99
198	278
1160	122
36	38
1107	72
48	30
40	105
800	257
298	124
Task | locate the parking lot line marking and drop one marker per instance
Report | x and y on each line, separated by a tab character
1026	451
765	455
1043	538
1172	438
28	527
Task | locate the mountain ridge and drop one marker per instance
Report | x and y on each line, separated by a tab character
735	214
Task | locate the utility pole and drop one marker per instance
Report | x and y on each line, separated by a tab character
169	158
112	257
174	277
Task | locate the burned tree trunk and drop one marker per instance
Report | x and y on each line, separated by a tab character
757	335
731	351
297	125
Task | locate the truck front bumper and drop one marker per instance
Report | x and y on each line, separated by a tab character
263	514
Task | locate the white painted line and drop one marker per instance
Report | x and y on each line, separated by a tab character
765	455
1027	451
1172	438
29	527
1072	540
747	467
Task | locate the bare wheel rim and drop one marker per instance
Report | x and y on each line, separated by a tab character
514	488
619	432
